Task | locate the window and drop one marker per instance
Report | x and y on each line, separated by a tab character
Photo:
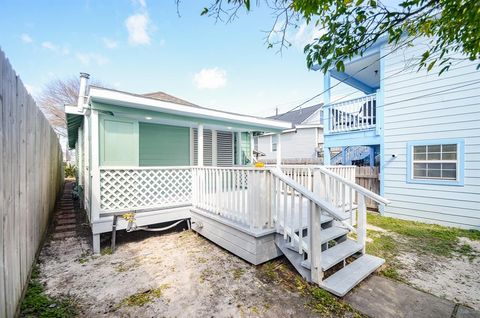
274	142
440	163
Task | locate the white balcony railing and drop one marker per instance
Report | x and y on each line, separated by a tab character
355	114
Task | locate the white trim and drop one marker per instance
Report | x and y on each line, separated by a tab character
192	147
214	147
135	101
200	146
95	170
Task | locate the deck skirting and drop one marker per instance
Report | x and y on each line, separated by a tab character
255	247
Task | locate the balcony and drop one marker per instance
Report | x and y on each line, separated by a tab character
352	115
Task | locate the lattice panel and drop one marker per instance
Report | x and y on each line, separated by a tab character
144	188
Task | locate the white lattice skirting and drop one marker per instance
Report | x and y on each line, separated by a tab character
122	189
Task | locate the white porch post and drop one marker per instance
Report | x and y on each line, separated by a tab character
95	177
239	148
279	150
214	147
251	148
200	146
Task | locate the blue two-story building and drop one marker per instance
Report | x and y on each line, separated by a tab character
421	128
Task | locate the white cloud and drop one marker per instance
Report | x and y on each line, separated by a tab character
141	3
210	78
138	28
109	43
88	58
306	34
49	46
26	38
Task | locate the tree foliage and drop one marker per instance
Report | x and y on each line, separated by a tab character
350	27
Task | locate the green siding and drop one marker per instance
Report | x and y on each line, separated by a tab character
163	145
118	142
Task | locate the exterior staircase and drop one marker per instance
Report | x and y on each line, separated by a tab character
351	153
340	261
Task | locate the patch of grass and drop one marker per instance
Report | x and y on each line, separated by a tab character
427	238
238	273
201	260
84	258
37	304
268	271
142	298
205	274
386	247
107	251
330	306
318	300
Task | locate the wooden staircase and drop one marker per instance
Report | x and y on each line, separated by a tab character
320	234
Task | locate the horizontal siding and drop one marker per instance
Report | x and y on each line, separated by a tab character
424	106
295	145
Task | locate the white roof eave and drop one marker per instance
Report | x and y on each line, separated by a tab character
128	100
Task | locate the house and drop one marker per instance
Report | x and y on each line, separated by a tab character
424	129
301	144
154	158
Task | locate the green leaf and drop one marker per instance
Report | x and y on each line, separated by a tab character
204	11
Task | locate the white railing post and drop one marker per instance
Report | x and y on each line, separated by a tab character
362	221
315	234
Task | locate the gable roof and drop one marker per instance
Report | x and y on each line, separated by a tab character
169	98
298	116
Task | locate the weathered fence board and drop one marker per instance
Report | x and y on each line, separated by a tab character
368	177
30	178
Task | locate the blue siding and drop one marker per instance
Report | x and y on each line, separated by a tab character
421	106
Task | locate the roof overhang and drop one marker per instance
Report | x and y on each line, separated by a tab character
124	99
74	121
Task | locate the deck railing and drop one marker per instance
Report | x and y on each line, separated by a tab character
132	188
241	195
355	114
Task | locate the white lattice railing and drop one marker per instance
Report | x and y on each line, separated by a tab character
130	188
354	114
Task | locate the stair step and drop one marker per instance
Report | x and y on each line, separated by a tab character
339	252
332	233
336	254
348	277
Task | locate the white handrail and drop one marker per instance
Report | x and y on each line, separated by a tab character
372	195
325	205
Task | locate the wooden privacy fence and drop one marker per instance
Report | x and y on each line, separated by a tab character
368	177
30	178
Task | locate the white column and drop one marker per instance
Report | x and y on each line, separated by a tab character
279	150
95	176
214	148
200	146
251	147
239	148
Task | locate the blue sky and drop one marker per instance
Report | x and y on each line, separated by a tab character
143	46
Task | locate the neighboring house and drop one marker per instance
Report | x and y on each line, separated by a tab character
150	159
425	129
301	144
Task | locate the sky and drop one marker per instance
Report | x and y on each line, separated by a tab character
143	46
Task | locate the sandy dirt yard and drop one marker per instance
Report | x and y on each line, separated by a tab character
456	278
179	274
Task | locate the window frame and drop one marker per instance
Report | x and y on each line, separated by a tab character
459	181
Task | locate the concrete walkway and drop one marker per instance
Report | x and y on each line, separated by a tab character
384	298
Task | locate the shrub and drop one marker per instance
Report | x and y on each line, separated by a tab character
70	171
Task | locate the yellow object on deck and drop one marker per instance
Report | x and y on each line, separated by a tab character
259	164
